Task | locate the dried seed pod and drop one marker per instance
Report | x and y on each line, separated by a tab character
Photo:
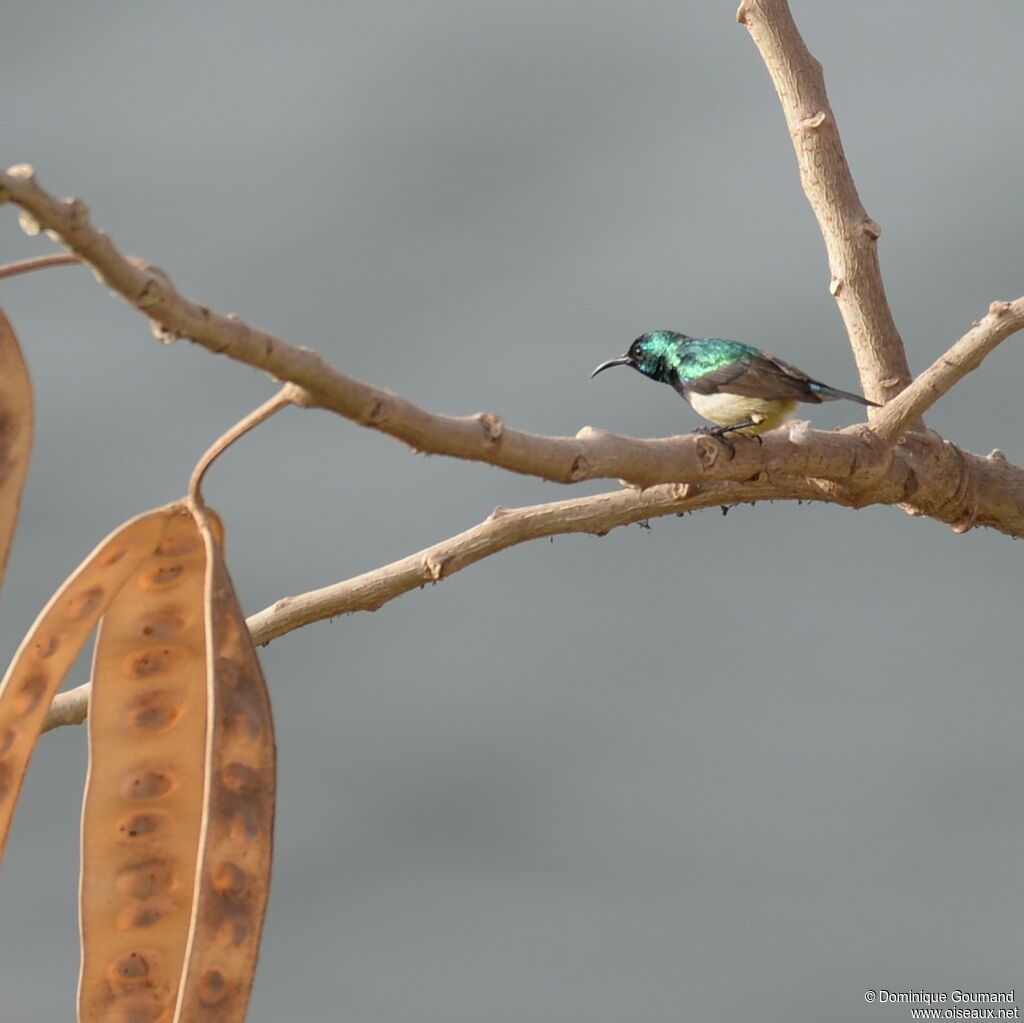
233	877
178	818
15	434
177	826
54	641
143	811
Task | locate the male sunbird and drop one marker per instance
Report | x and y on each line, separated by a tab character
736	386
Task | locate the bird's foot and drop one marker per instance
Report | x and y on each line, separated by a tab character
719	433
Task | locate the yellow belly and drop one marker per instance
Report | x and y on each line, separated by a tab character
726	409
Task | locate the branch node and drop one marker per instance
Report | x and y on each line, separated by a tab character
492	426
741	13
871	228
434	566
379	412
579	470
78	214
995	455
28	223
150	295
23	171
708	452
963	497
163	334
1000	309
814	122
835	286
800	432
964	523
299	396
499	512
590	433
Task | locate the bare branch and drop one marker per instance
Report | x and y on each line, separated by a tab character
850	235
260	415
1002	320
503	528
26	266
592	454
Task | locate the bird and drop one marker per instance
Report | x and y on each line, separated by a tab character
734	385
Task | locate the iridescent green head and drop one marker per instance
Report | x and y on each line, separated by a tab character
656	355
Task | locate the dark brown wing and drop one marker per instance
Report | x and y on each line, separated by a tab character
757	376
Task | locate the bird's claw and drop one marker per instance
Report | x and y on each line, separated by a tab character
719	434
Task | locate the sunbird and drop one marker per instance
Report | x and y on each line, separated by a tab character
736	386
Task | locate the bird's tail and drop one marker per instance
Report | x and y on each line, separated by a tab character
827	393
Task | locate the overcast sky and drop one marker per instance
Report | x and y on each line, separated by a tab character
728	768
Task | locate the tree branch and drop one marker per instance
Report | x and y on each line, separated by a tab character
1002	320
26	266
850	235
503	528
592	454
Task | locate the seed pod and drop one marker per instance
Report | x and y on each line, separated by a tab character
233	878
178	818
15	435
54	641
143	811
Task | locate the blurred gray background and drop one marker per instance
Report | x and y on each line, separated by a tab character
728	768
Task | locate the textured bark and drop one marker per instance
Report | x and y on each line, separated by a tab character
851	236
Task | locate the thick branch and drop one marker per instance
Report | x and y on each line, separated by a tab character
592	454
1003	319
850	235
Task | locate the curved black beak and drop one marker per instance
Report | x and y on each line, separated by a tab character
622	360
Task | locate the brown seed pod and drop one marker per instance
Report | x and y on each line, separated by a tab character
143	810
15	434
54	641
177	826
178	819
233	877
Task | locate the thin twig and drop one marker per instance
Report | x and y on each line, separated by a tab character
1002	320
26	266
285	396
505	527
